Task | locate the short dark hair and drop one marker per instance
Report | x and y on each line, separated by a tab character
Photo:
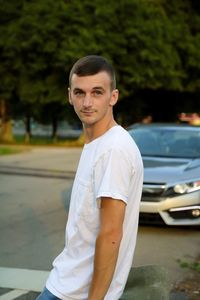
91	65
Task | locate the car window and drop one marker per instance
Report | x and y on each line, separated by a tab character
167	142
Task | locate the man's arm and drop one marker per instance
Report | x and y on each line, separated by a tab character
107	246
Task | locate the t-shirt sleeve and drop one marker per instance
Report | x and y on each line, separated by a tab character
112	175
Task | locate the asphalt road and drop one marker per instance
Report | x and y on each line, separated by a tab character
34	187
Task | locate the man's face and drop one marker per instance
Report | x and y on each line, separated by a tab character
92	98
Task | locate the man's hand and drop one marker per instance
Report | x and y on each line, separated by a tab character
107	246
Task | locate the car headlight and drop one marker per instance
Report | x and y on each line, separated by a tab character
183	188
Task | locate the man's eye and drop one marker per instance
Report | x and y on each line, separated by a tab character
97	93
78	93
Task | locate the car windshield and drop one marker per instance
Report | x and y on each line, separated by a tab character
165	142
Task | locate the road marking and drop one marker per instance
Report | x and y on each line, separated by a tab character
13	294
23	279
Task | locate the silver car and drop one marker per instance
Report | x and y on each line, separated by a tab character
171	157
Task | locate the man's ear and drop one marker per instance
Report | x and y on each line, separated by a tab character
69	96
114	97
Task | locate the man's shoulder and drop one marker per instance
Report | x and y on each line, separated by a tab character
117	135
119	138
117	141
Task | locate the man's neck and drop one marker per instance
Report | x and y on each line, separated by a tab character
91	133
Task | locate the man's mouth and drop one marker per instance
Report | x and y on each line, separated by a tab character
87	112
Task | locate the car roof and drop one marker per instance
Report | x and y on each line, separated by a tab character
178	126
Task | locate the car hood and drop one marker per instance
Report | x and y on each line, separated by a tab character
170	170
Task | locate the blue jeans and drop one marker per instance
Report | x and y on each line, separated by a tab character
46	295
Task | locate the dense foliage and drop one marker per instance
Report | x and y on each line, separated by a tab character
153	44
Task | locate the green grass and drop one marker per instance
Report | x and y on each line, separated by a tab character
46	141
41	141
8	150
19	145
195	265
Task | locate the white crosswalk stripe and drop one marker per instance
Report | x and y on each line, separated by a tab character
23	279
21	283
13	294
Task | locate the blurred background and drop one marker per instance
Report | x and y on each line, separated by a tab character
153	44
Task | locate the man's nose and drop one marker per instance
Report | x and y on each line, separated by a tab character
87	101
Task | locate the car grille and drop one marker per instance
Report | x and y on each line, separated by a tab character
151	218
153	192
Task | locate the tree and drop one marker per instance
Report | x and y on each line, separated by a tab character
153	44
9	12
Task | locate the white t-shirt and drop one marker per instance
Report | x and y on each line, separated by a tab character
109	166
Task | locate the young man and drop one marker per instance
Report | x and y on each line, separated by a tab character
103	217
